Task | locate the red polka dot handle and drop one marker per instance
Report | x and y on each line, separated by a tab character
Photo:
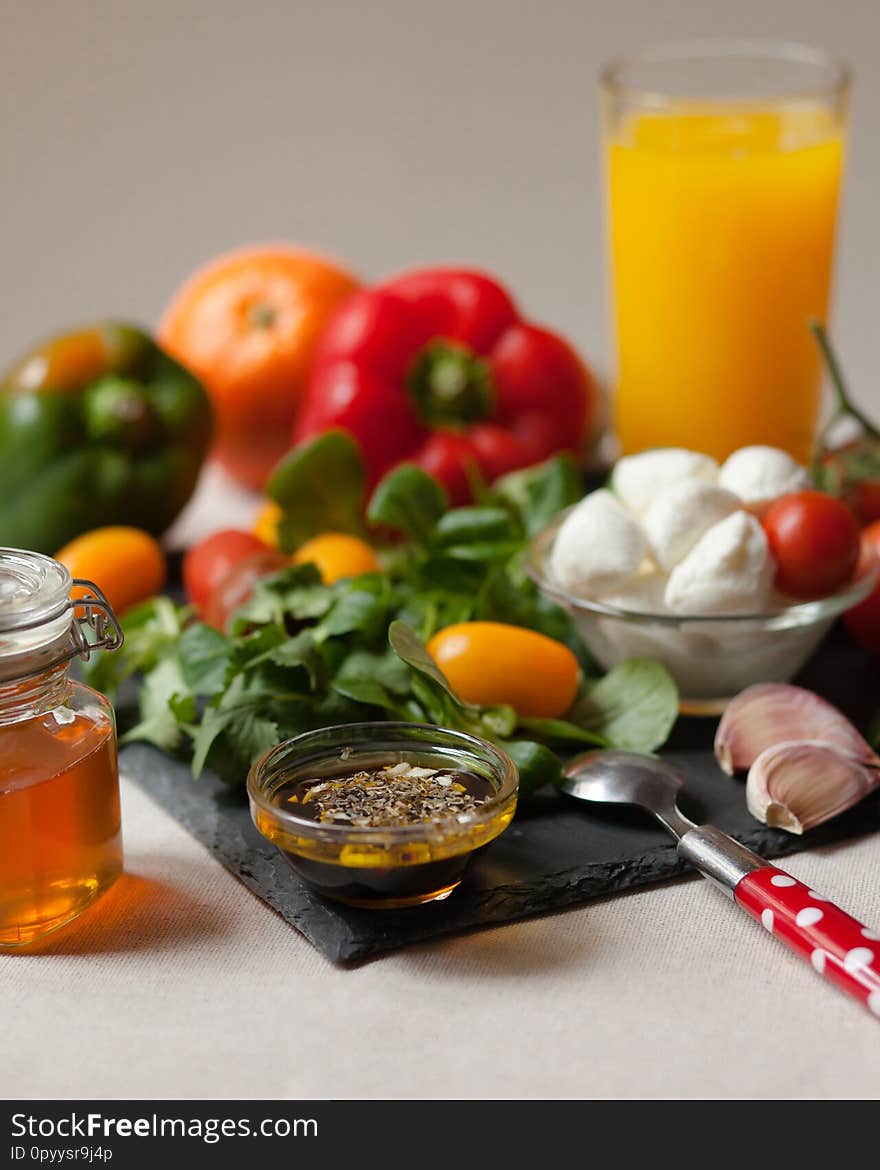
838	947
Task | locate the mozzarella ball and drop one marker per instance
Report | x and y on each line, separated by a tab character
637	479
760	475
681	514
598	548
729	570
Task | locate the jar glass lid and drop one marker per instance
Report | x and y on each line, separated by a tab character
34	591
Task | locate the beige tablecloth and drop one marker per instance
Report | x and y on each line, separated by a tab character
180	984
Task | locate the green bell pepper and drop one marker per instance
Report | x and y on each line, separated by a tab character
97	427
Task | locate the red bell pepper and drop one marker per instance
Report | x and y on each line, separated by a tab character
436	367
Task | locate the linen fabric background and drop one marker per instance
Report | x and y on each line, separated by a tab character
181	984
138	140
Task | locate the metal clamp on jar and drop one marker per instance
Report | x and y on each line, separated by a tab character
60	836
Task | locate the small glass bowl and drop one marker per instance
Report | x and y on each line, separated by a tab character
381	868
711	658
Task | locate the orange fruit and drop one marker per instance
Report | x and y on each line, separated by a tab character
337	555
126	563
247	324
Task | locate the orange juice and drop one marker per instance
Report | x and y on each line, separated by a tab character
722	232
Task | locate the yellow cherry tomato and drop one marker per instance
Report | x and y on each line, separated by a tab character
492	663
266	523
337	555
126	563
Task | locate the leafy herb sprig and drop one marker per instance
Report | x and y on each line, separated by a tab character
302	654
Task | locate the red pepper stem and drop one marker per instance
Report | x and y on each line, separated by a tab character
844	405
450	385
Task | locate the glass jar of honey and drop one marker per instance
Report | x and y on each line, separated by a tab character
60	838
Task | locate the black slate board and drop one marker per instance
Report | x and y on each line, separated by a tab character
556	852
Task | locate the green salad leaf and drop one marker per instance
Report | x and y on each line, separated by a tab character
538	494
409	501
302	654
329	473
634	706
204	659
410	648
537	765
166	706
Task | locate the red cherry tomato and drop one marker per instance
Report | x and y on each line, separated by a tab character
237	585
864	499
207	563
852	472
814	539
863	620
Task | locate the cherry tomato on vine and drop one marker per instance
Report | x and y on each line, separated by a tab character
814	539
126	563
852	472
236	587
207	563
337	555
863	620
266	524
492	663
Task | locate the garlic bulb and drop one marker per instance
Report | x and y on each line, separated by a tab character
772	713
796	785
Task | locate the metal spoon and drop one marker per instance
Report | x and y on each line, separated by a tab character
836	945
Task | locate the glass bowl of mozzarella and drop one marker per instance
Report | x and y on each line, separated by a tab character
670	561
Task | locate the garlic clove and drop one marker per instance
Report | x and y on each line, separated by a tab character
769	713
795	786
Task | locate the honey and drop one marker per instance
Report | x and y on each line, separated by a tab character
60	839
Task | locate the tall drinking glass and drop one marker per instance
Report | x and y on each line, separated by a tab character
723	165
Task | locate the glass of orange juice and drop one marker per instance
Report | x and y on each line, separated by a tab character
723	164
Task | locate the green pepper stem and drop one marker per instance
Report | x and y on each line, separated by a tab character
844	404
450	385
